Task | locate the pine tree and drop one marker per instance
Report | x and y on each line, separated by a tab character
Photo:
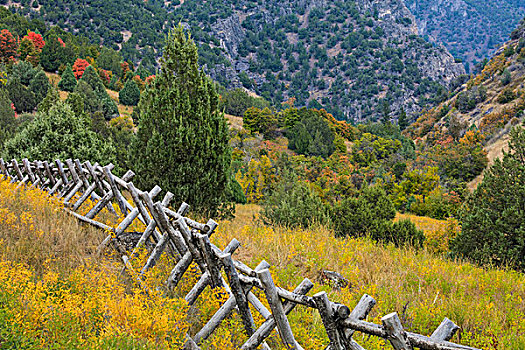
40	85
182	139
7	117
402	121
130	94
493	218
23	98
108	106
68	81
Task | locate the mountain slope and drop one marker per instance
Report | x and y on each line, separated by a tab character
489	104
359	58
470	29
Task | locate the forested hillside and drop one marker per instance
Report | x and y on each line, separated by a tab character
485	108
356	58
470	29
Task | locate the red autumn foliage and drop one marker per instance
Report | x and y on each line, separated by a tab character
14	109
8	46
62	42
125	68
105	75
79	67
149	79
37	39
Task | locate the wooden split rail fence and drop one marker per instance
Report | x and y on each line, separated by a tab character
168	230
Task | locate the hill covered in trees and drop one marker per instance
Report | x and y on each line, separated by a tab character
357	58
472	30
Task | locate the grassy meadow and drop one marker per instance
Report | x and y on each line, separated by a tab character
57	293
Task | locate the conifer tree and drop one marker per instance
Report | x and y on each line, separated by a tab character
182	139
108	106
7	117
68	81
40	85
402	121
130	94
40	139
493	217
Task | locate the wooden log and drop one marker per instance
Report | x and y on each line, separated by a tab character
217	318
94	177
238	293
3	168
197	255
183	209
199	287
72	170
211	261
28	170
395	332
175	236
445	331
335	334
361	311
72	193
157	252
61	172
277	309
24	180
267	327
146	219
17	170
90	221
50	176
116	192
56	187
84	197
417	340
190	344
191	223
99	205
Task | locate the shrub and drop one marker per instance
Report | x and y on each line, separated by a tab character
506	96
404	232
367	215
294	204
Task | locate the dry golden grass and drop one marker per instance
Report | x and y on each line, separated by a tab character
422	287
234	122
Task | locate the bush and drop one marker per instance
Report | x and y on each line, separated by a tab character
404	232
294	204
367	215
130	94
506	96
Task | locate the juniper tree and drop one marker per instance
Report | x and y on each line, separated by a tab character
182	139
493	217
130	94
40	85
68	81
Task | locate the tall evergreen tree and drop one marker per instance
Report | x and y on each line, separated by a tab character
130	94
493	218
7	117
40	85
182	139
68	81
402	120
108	106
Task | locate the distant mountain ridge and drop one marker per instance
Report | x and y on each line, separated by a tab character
359	59
470	29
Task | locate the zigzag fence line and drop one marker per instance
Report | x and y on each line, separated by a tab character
171	231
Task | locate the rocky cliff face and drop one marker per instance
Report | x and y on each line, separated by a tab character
354	57
471	30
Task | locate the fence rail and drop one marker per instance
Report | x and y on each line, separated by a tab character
168	230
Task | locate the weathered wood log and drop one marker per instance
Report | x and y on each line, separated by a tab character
17	170
28	170
99	205
155	255
361	311
445	331
84	197
166	226
90	221
336	335
211	261
205	279
267	327
50	176
395	332
115	190
277	309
